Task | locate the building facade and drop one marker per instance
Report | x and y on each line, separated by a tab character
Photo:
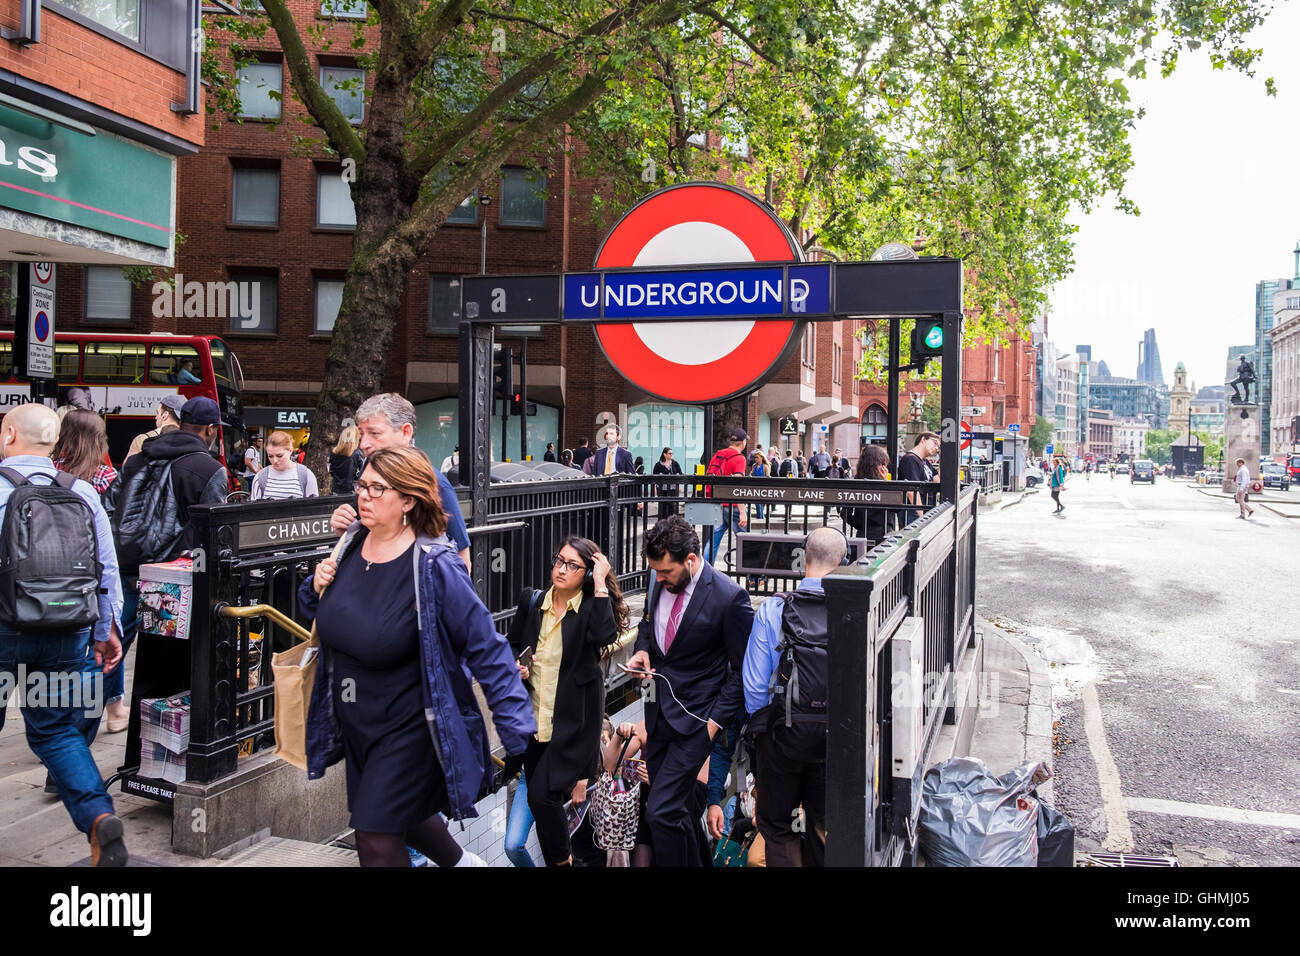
1148	367
1180	401
1130	438
1284	340
1129	398
1065	433
100	102
1101	435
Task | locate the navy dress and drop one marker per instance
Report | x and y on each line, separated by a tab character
367	619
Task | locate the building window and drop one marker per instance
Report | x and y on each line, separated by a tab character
444	304
256	196
261	295
837	353
997	360
809	347
523	197
260	90
329	297
334	207
9	291
344	9
120	16
346	86
999	412
467	212
108	295
875	424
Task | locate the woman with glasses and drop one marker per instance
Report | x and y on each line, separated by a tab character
402	633
557	636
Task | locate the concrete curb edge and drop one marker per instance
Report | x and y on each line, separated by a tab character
1038	721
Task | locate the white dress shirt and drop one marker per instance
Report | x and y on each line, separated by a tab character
664	609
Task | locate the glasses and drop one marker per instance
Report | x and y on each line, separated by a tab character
561	564
371	489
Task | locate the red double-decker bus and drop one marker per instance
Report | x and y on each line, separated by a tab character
124	377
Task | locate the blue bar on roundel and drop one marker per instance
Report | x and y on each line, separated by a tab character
582	296
809	289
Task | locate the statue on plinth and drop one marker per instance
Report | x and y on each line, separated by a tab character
1245	378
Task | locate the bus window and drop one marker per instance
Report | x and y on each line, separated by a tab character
175	365
113	363
67	364
222	365
6	360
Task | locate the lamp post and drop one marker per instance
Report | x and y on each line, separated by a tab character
484	202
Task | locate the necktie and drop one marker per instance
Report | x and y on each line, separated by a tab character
674	618
609	461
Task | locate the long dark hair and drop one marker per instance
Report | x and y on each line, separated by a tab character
82	443
587	551
873	462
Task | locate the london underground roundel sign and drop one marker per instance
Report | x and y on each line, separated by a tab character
698	361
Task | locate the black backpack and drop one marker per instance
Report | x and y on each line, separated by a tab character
147	525
801	676
49	557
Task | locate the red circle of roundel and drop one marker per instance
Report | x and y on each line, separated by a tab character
753	359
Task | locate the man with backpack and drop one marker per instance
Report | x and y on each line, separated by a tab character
785	677
60	597
729	461
173	472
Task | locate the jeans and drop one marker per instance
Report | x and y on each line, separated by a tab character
115	682
518	825
57	692
730	517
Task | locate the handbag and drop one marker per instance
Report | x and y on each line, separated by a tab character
614	813
734	852
294	675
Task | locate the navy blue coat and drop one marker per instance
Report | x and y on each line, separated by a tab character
457	642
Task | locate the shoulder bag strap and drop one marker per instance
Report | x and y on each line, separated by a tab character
13	477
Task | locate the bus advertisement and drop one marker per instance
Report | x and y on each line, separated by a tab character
124	377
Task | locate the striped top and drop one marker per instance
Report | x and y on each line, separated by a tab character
282	484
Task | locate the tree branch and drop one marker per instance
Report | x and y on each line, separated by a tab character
345	140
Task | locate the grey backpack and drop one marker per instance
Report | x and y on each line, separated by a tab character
49	557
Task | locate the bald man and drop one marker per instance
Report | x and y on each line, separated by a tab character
61	718
791	760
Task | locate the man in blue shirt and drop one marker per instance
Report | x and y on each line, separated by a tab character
791	761
54	673
387	420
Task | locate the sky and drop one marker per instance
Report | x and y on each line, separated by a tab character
1217	180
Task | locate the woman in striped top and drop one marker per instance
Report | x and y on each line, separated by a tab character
283	477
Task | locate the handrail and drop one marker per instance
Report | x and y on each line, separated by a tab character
265	610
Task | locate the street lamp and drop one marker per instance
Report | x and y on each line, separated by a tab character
485	202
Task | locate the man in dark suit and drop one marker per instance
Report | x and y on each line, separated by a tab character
600	463
692	637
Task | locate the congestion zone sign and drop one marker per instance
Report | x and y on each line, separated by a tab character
698	224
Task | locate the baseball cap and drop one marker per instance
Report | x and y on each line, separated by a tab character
201	411
739	434
174	404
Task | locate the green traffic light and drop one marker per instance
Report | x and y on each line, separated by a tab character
934	338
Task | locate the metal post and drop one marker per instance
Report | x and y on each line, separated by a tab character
523	399
891	430
950	407
475	425
851	707
708	434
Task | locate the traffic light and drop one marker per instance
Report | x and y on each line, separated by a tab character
502	385
927	340
517	406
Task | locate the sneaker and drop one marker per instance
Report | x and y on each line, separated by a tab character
117	715
106	846
471	859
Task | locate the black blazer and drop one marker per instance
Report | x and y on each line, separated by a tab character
574	752
704	662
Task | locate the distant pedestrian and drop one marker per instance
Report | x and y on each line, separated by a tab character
915	465
613	457
167	417
1243	486
758	469
667	465
820	463
285	478
638	466
345	461
566	458
729	461
581	453
550	452
871	523
1058	481
451	465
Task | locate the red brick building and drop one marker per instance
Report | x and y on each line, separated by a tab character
100	103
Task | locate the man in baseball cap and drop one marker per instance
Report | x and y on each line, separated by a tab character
166	418
201	411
